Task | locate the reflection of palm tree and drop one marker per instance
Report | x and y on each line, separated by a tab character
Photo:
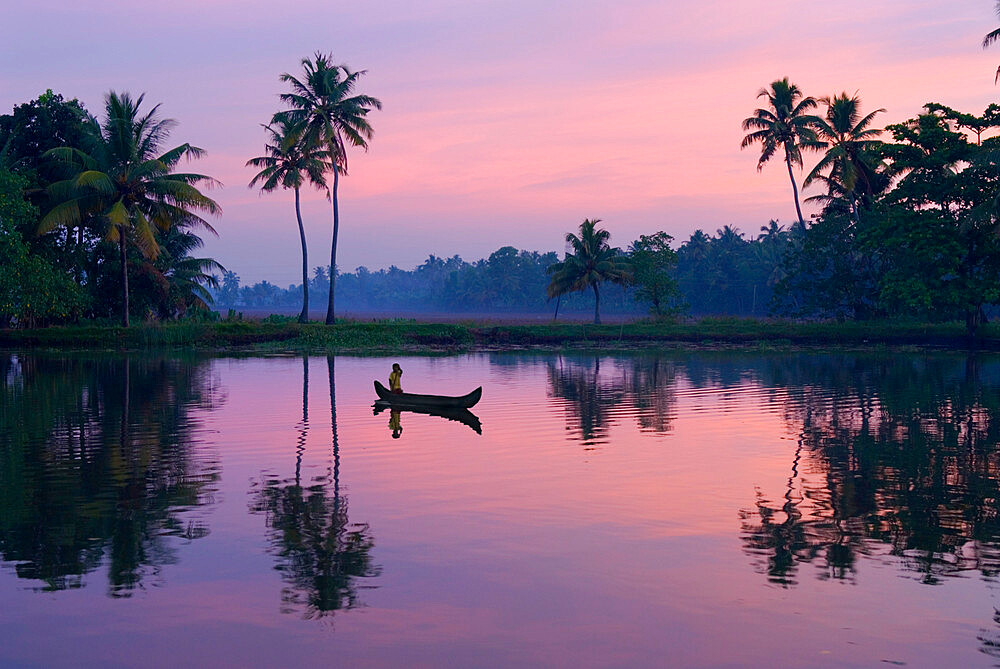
907	457
321	554
642	383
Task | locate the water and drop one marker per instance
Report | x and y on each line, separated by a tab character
685	510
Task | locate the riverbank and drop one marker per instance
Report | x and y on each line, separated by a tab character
410	336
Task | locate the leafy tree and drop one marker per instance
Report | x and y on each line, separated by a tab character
653	264
33	291
290	162
592	262
971	122
938	233
127	184
45	123
330	116
785	124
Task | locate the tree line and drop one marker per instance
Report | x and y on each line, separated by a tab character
97	218
909	214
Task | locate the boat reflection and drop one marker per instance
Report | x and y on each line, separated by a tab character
463	416
99	466
320	553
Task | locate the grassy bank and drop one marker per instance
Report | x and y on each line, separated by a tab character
404	335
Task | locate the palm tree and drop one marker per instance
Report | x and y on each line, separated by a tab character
330	116
127	185
784	124
188	277
288	162
849	140
992	37
591	262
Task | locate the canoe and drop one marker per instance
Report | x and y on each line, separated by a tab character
440	401
460	415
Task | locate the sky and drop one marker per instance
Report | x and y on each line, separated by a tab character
504	122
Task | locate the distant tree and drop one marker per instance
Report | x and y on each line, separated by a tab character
290	162
653	264
591	262
127	184
785	124
229	288
322	104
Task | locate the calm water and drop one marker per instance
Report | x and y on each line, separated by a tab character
687	510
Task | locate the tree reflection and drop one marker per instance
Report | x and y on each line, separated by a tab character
895	458
98	464
320	553
594	390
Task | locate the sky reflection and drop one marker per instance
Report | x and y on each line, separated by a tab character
694	510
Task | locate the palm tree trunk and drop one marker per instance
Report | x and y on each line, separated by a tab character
330	318
121	253
597	306
558	300
795	189
304	316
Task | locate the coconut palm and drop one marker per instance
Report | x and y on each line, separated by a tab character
330	116
591	262
786	125
992	37
289	162
124	183
188	277
849	142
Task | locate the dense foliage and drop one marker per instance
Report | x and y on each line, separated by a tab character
908	227
79	198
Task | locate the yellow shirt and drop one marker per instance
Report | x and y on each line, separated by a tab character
394	380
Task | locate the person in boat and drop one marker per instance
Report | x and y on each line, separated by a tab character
395	377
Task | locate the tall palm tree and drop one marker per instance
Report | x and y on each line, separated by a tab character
289	162
323	104
591	262
786	125
849	141
127	185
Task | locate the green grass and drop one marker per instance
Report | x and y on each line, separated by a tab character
400	335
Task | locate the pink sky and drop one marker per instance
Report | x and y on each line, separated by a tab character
507	122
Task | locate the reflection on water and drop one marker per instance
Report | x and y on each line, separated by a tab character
463	416
320	552
96	465
594	390
896	459
731	494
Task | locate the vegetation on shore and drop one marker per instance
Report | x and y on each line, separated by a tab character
277	334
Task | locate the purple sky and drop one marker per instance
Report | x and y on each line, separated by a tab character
504	122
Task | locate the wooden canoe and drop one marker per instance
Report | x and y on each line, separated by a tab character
440	401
